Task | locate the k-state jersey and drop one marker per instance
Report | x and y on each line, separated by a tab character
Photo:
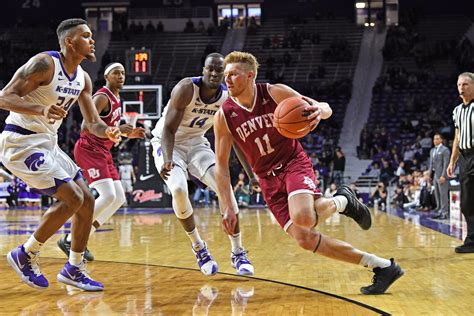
253	131
198	116
111	119
62	90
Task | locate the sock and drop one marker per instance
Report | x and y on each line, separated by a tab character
236	243
68	238
32	245
196	240
75	258
372	261
341	202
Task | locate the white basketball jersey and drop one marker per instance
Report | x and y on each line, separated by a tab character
62	90
198	116
125	172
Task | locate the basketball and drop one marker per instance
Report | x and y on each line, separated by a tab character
290	118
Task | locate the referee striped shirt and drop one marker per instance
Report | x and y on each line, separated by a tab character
463	117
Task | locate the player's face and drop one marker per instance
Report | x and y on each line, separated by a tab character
236	78
213	72
83	43
116	77
466	88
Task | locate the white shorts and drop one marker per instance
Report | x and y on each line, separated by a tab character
37	160
194	155
127	185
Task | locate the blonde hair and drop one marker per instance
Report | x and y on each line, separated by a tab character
242	57
469	75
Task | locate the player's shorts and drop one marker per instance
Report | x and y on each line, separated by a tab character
36	159
127	185
194	155
296	177
96	164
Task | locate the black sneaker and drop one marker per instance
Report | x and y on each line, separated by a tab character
65	246
355	209
464	249
383	278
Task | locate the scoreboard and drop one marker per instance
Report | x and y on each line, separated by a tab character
138	62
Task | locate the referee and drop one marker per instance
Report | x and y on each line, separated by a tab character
463	153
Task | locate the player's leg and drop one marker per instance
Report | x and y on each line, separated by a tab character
178	186
202	165
74	272
114	197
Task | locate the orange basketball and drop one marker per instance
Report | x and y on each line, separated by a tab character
290	118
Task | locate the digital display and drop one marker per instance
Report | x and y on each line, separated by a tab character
139	62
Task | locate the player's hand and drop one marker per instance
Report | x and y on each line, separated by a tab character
254	185
450	170
442	180
54	113
229	220
315	110
138	132
113	133
165	170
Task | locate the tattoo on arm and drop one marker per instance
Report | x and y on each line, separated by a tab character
35	67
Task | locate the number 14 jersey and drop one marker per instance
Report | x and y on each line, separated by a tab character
252	129
198	116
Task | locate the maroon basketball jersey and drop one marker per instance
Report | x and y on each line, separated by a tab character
111	119
253	131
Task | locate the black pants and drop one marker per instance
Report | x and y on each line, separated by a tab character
466	177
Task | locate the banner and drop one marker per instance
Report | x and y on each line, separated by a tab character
149	190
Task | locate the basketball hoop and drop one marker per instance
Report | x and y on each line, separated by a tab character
131	118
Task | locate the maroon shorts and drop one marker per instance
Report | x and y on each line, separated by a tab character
96	163
297	176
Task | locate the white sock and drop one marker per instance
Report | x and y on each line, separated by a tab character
68	238
341	202
196	240
372	261
32	245
236	243
75	258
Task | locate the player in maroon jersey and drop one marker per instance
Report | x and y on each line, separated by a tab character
284	170
92	154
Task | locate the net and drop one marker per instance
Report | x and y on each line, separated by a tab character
131	118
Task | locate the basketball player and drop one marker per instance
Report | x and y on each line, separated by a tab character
179	147
285	171
41	93
92	154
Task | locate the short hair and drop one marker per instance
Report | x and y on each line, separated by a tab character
439	134
66	25
214	55
469	75
242	57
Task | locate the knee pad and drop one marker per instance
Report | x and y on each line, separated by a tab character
178	186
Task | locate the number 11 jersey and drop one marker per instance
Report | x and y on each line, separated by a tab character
252	129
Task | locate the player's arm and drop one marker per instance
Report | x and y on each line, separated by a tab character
181	95
92	121
223	144
454	154
320	110
38	71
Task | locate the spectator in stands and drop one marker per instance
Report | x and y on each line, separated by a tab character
160	27
331	190
201	190
401	169
378	198
386	173
149	28
399	198
356	192
427	201
242	191
339	165
201	28
189	28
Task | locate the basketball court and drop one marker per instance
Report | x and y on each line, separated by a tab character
145	261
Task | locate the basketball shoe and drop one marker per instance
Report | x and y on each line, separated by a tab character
355	209
26	265
65	246
383	278
241	263
77	276
205	261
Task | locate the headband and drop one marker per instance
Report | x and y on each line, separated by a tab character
108	69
